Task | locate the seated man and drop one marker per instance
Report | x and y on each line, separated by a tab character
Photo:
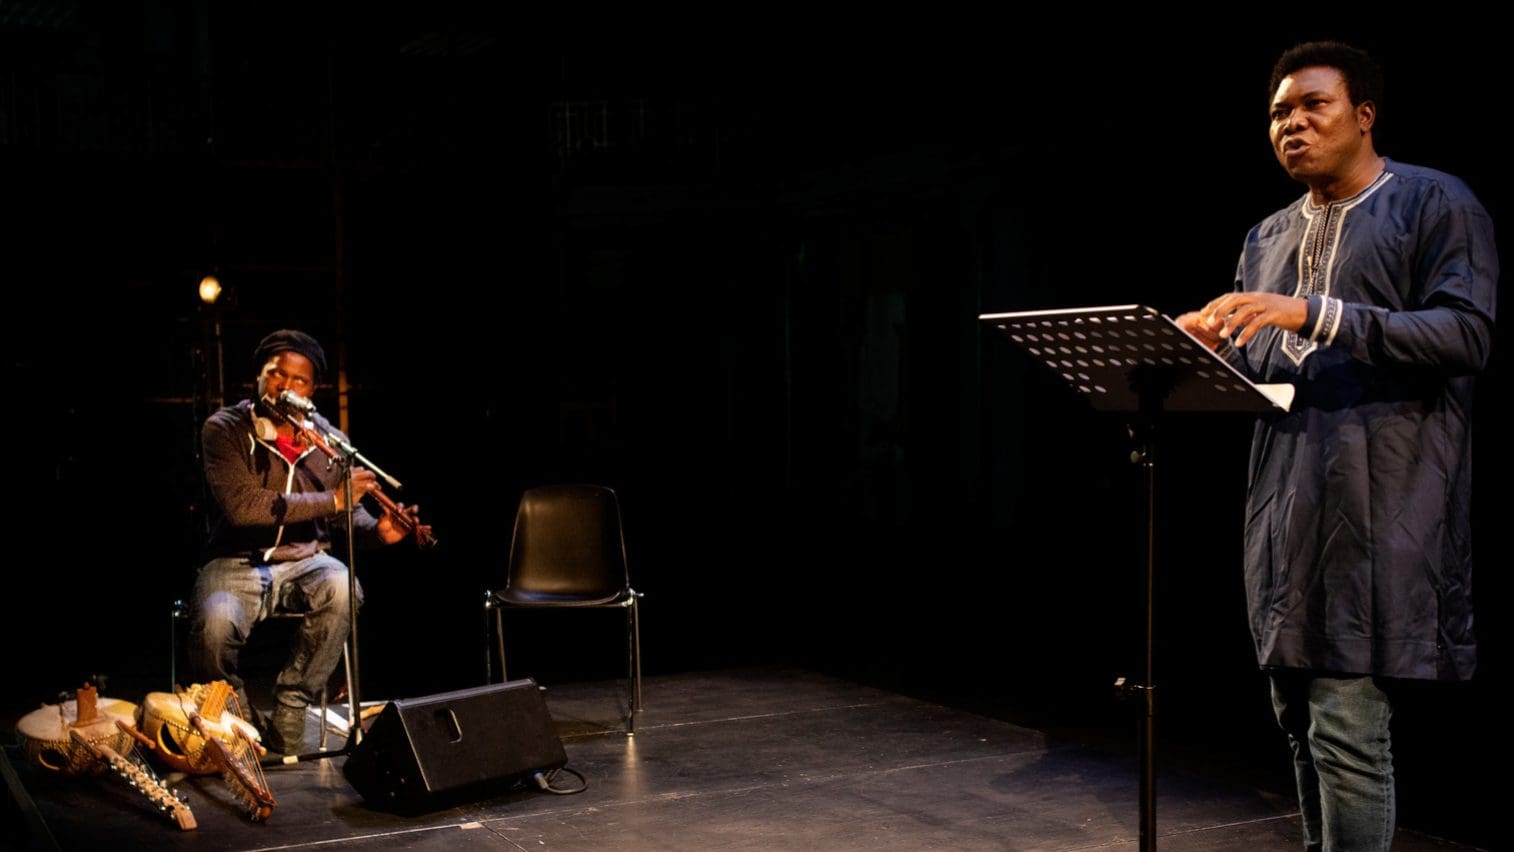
276	503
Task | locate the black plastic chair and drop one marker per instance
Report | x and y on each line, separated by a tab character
569	551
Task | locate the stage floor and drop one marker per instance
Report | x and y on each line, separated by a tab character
737	759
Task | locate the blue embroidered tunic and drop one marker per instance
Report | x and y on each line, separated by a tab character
1358	536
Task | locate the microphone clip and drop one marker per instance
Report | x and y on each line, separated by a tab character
292	401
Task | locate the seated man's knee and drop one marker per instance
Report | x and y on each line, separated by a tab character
219	618
329	587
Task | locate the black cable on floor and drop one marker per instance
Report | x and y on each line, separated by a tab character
544	781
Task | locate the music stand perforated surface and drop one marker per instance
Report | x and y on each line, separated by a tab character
1111	355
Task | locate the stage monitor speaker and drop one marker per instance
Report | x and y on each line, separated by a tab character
444	749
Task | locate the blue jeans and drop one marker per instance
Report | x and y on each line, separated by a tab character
233	594
1338	729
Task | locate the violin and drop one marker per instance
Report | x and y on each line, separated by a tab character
291	408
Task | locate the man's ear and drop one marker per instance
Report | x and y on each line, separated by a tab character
1366	116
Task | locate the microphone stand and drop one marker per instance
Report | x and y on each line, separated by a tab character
340	451
354	701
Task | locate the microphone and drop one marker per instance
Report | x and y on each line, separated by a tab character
293	400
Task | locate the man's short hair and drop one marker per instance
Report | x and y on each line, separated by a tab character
1364	79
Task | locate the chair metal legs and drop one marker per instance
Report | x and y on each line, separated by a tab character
633	650
633	673
352	708
178	614
499	639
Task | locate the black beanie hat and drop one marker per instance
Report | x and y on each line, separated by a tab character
289	340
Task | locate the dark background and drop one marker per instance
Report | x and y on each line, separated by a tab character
734	275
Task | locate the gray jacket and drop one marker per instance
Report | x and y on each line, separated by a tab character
264	507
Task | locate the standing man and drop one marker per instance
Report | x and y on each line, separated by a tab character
277	503
1373	295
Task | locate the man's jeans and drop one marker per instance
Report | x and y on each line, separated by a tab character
1338	729
231	595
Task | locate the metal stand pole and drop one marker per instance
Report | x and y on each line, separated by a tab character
1144	433
1148	724
354	703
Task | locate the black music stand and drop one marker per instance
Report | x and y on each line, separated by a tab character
1130	359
